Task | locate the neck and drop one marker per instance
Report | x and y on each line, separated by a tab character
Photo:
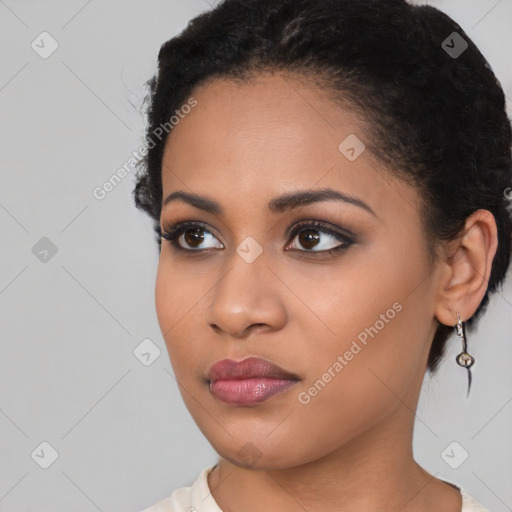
374	472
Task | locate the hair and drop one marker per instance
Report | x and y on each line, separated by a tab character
433	119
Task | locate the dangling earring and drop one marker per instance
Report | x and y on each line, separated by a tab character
464	359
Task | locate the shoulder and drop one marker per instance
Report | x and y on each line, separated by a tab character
469	504
196	497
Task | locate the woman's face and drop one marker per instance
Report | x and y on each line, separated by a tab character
353	326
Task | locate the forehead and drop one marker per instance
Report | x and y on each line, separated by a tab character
266	136
266	115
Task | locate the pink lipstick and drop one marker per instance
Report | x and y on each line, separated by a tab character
250	381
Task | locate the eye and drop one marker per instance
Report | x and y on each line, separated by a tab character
188	236
315	237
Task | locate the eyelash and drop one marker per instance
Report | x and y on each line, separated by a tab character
171	233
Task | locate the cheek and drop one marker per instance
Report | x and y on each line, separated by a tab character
171	302
175	293
164	300
351	385
180	314
372	310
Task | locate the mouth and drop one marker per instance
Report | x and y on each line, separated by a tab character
248	382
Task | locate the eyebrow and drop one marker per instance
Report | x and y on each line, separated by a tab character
277	205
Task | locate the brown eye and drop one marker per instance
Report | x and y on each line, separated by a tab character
190	236
315	237
309	238
193	237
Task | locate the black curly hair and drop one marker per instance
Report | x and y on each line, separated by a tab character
434	118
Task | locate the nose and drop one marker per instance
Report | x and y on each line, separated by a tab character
247	298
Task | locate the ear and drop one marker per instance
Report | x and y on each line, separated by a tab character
466	267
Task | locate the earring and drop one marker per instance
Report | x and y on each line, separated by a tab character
464	359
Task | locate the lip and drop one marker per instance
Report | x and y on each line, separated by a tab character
248	382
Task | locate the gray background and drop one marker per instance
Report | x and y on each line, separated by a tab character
70	323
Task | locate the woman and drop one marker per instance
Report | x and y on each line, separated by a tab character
328	183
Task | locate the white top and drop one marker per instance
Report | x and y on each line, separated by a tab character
197	498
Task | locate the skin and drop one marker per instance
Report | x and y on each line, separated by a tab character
350	447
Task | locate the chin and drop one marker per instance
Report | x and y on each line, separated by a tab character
261	452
